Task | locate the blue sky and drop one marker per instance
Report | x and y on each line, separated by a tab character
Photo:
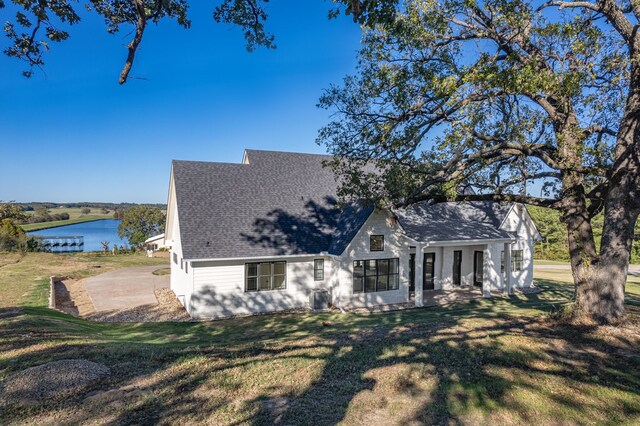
74	134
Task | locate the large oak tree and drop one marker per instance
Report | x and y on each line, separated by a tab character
491	100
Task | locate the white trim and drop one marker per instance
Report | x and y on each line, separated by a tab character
468	242
513	204
539	236
154	238
281	256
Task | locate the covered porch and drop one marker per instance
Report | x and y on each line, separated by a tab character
447	271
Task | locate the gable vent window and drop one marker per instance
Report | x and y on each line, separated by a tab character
265	276
376	243
318	270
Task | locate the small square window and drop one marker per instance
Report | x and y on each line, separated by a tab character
376	243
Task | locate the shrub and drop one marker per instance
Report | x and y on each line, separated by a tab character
12	237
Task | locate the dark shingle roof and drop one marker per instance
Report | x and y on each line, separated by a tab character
454	221
278	204
284	203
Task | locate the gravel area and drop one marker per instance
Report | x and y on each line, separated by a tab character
381	308
168	308
528	290
50	381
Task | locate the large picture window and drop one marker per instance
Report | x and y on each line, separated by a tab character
375	275
265	276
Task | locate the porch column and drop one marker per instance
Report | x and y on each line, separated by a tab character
419	297
507	269
486	272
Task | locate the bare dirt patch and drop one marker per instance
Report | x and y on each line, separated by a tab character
72	297
52	380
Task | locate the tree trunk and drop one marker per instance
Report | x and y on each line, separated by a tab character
600	294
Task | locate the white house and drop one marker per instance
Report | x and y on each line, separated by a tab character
156	242
262	235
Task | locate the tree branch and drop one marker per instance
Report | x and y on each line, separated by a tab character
133	46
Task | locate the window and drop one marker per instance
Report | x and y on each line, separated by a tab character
318	269
516	260
265	276
376	243
175	258
181	263
375	275
186	267
457	267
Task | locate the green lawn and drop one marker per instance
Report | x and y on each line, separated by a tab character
489	361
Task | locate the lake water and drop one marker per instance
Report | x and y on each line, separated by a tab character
93	233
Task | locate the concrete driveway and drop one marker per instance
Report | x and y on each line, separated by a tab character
125	288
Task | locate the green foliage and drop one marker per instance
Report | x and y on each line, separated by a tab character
12	237
555	246
11	210
140	223
461	94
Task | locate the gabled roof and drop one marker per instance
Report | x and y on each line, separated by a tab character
154	238
279	203
469	221
282	203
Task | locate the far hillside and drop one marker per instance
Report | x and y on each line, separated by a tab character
42	215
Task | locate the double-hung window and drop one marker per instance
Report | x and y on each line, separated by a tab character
318	270
375	275
516	260
264	276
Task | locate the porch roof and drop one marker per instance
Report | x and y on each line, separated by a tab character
455	222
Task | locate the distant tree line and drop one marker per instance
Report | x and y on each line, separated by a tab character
43	214
555	246
108	206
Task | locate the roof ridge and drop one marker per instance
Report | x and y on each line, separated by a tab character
286	152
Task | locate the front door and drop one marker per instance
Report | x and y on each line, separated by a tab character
412	272
429	271
478	268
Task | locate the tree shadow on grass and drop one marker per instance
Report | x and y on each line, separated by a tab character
454	364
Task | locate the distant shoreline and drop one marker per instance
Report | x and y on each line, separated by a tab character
40	226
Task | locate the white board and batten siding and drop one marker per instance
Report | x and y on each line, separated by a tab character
396	245
519	223
219	287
